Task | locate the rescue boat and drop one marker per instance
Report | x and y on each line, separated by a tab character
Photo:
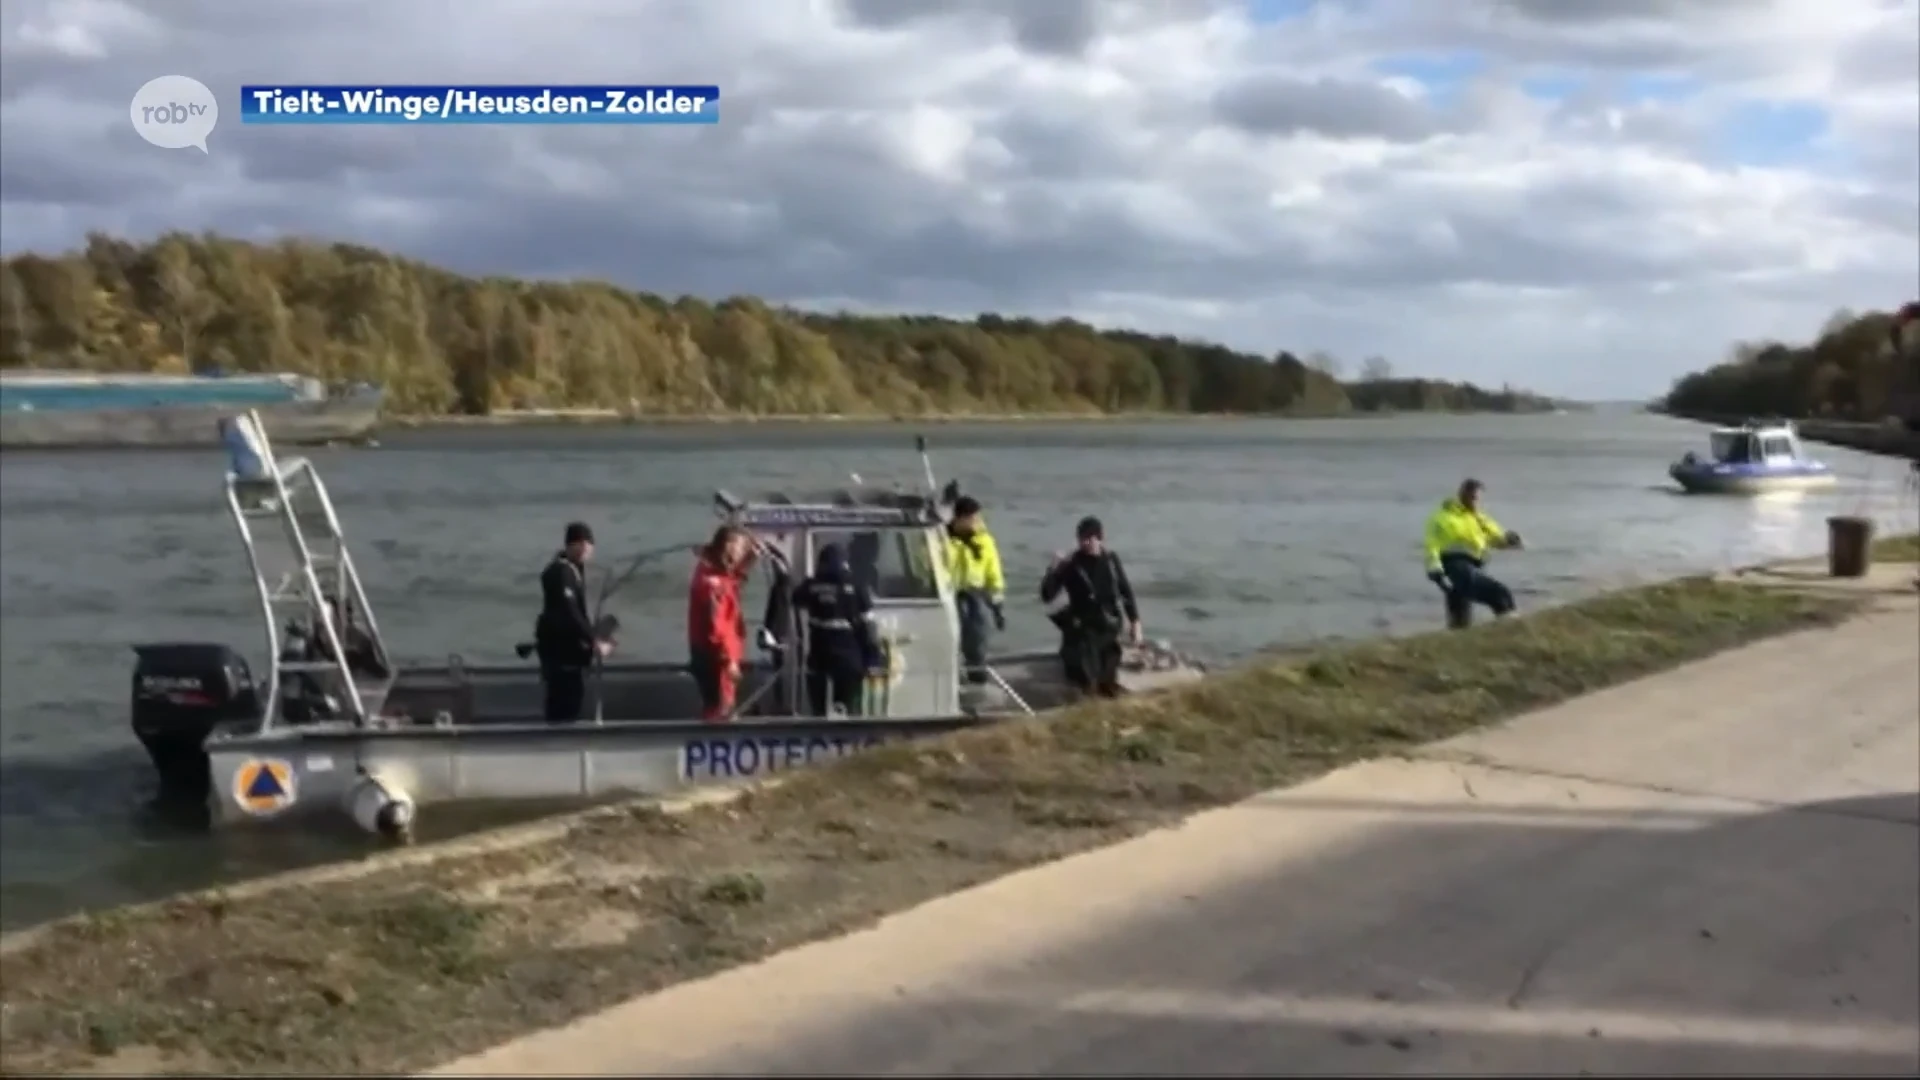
336	726
1753	458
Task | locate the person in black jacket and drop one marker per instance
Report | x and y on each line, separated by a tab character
1100	608
563	636
841	647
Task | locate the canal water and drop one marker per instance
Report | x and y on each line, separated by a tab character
1239	535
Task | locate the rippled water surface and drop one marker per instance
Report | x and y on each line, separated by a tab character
1238	535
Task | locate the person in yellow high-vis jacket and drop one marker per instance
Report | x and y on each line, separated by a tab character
979	587
1459	535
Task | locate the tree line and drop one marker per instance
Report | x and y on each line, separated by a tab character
441	342
1859	367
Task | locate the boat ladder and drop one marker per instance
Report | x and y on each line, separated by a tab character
304	578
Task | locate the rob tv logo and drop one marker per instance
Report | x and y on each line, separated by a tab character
174	112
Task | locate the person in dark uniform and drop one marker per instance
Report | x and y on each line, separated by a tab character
1100	609
841	647
563	636
777	629
776	621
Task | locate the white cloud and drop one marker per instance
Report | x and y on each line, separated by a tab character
1168	164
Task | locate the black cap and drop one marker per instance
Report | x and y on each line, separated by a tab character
1090	529
965	505
578	533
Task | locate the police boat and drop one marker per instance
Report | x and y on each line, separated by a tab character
337	727
1751	459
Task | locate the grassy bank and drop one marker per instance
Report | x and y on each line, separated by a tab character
419	964
1897	548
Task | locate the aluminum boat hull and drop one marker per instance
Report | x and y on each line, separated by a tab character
479	738
1704	480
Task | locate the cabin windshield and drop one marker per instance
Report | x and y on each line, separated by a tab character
892	563
1731	446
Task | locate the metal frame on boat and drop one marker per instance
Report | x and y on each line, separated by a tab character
337	726
1754	458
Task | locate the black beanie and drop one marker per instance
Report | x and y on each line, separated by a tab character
1090	529
965	505
578	533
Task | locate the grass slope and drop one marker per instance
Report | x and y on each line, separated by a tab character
1897	548
416	965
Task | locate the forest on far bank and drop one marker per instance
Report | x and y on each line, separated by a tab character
441	343
1856	368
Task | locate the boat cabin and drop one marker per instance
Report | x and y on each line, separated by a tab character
893	543
1755	444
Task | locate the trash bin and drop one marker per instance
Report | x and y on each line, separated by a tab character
1849	546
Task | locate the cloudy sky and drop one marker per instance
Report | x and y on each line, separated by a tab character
1587	197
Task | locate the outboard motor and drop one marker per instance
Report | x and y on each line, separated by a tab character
181	693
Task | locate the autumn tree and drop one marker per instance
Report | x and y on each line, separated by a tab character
185	305
1848	371
438	341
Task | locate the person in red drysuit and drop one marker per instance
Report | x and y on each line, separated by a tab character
716	625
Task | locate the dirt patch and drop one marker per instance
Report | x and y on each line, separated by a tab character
399	969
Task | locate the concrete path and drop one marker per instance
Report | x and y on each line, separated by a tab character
1712	871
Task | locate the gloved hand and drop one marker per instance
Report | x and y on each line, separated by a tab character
1440	579
999	615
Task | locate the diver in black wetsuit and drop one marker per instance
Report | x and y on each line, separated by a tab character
564	636
1100	610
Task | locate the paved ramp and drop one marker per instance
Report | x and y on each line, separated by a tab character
1712	871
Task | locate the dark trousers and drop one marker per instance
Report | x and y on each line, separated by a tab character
709	670
1092	661
1466	584
976	628
836	684
566	686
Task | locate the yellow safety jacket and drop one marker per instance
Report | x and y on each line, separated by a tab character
1455	529
975	563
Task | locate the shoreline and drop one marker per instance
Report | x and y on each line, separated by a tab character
1887	438
1894	548
1036	786
617	418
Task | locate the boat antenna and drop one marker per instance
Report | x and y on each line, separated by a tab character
615	582
926	462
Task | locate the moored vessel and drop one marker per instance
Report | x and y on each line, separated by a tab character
67	409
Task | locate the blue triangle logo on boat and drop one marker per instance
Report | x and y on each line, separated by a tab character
265	785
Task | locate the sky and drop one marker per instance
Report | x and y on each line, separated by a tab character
1585	198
